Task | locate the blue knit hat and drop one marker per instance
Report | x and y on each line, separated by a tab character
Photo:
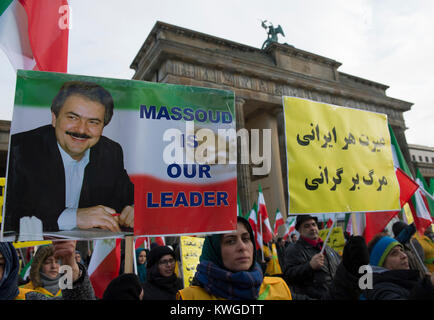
381	249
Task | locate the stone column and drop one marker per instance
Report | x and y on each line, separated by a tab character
243	170
276	175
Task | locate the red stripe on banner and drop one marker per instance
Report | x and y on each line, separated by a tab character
106	271
164	207
48	33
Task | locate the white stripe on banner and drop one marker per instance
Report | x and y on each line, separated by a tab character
14	39
140	139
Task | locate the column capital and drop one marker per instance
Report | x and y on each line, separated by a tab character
240	101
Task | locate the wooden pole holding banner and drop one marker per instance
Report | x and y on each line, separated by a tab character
328	234
129	249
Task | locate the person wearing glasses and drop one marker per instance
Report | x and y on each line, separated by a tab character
162	283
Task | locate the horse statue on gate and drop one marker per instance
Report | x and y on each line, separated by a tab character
272	33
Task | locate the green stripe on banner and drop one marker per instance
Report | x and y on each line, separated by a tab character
128	94
264	294
347	218
431	186
425	186
4	4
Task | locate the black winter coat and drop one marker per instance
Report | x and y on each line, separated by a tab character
300	276
152	291
399	285
345	286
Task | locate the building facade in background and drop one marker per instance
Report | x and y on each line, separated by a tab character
423	159
260	78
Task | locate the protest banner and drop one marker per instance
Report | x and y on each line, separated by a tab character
336	239
191	249
339	159
159	139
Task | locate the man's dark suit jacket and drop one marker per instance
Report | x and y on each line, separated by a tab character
36	179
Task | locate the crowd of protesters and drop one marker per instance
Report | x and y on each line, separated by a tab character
389	267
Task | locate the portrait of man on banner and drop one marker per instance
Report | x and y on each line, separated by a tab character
66	175
87	159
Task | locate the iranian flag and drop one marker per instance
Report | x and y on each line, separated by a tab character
422	203
104	264
239	211
329	223
267	232
359	223
25	272
161	241
290	227
278	221
255	226
419	207
146	241
34	34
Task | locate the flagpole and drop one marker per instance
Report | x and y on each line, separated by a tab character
425	269
129	248
262	239
134	256
328	235
181	267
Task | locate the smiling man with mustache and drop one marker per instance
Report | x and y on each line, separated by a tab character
67	174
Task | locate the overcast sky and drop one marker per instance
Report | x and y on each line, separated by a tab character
386	41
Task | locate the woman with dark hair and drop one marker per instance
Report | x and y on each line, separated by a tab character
228	270
162	282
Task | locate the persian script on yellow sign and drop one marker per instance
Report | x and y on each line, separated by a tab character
191	249
338	159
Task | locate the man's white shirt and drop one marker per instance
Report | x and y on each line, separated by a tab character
74	173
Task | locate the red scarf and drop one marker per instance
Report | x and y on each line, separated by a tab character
318	243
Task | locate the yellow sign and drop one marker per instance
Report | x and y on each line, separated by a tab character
336	239
25	244
339	159
191	249
2	194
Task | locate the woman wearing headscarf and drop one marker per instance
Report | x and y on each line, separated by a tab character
141	264
44	273
81	286
9	267
162	282
228	270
